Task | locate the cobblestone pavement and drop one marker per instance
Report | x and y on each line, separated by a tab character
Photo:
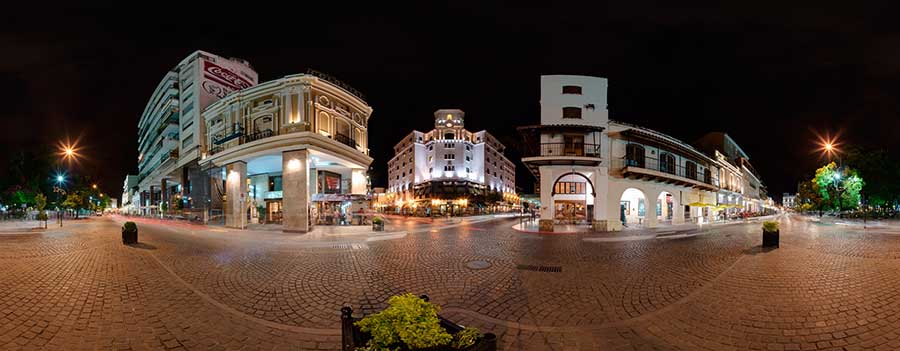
829	287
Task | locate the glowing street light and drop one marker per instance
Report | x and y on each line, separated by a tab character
60	178
94	186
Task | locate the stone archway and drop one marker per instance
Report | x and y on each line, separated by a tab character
573	198
633	207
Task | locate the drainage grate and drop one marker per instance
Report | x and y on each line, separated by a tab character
349	246
550	269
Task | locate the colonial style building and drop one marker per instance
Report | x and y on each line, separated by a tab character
613	174
292	151
740	188
171	132
448	163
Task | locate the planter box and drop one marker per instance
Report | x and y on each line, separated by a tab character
129	237
378	227
770	239
352	337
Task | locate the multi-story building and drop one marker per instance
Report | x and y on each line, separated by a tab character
448	163
171	131
741	190
611	174
788	200
130	198
292	151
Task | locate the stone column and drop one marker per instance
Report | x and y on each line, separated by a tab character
677	208
650	220
601	201
164	195
235	198
295	195
546	220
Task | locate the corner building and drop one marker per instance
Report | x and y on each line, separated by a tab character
171	134
292	151
446	166
611	174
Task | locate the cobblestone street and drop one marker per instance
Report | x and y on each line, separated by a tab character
829	287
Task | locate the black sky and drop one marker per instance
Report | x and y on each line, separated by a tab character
770	76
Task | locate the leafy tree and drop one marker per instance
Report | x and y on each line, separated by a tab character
40	202
882	174
75	200
839	187
809	197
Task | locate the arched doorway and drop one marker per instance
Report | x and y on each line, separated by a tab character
632	207
573	198
665	208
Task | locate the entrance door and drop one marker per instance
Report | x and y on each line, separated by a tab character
574	145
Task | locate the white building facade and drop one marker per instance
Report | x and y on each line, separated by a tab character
130	195
171	132
607	173
788	200
448	163
292	151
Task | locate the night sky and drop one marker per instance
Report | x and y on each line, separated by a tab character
771	77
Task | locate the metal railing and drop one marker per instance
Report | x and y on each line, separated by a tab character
346	140
669	166
565	149
256	136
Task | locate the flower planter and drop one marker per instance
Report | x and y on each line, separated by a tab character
129	237
770	239
352	337
378	227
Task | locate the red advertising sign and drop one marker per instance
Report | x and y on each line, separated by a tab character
223	76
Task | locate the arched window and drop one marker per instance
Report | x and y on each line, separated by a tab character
690	170
634	155
448	136
667	163
323	125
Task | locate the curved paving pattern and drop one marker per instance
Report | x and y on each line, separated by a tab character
829	287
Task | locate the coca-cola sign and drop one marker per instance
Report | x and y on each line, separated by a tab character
223	76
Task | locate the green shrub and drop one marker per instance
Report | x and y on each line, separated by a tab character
465	338
408	321
377	220
770	226
130	227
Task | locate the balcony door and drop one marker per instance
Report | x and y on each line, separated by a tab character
667	163
573	145
634	155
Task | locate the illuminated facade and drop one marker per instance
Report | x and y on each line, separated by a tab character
611	174
448	163
292	151
171	131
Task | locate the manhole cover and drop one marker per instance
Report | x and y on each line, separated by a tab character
478	264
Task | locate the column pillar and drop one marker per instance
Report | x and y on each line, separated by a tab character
547	208
650	220
235	198
601	202
295	195
164	195
678	208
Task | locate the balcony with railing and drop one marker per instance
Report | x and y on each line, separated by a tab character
561	153
667	170
346	140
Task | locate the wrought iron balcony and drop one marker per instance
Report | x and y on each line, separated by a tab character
256	136
346	140
666	166
565	150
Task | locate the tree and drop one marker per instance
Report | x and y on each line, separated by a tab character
76	201
882	174
839	187
40	202
809	197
